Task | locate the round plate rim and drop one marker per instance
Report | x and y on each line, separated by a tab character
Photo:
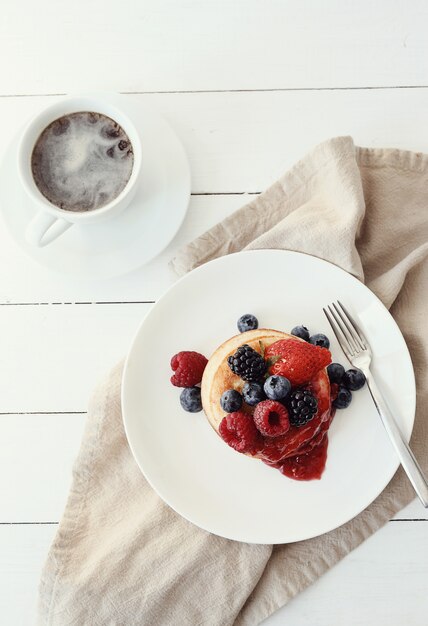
185	277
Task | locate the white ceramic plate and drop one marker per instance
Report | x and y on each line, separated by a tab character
127	241
185	461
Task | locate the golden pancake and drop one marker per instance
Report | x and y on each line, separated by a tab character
218	378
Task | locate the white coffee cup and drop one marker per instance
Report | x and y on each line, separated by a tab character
50	221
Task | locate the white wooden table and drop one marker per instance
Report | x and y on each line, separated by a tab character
249	86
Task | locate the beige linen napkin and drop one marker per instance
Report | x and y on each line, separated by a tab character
121	556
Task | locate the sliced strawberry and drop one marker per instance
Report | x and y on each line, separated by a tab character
296	360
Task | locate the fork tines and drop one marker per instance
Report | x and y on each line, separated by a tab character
346	329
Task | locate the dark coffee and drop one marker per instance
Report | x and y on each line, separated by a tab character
82	161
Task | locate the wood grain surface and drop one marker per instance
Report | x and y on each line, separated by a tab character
249	87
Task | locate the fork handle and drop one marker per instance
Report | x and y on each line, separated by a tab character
406	456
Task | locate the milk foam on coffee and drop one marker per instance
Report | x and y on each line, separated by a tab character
82	161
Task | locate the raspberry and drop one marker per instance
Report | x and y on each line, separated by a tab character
271	418
188	368
296	360
239	432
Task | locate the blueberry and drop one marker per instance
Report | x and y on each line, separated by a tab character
354	380
300	331
320	340
335	372
253	393
231	401
344	398
247	322
122	144
110	152
190	399
277	387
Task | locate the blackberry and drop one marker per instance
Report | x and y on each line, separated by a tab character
247	363
302	407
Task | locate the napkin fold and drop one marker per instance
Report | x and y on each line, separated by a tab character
122	556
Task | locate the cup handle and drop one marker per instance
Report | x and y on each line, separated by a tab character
45	228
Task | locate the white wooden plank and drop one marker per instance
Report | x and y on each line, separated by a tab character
169	45
236	142
39	450
239	142
244	141
44	447
23	550
414	511
54	355
382	582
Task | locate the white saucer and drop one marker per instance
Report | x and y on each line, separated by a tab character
125	242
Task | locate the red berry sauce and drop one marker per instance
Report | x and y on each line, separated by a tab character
301	454
309	466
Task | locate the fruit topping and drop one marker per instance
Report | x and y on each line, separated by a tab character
334	390
309	466
231	400
320	340
295	360
247	363
247	322
188	368
271	418
277	387
353	380
253	393
335	372
343	399
300	331
239	432
190	399
302	407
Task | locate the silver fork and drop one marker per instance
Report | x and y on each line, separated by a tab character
358	352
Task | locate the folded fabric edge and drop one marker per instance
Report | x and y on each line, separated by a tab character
208	245
81	473
391	157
